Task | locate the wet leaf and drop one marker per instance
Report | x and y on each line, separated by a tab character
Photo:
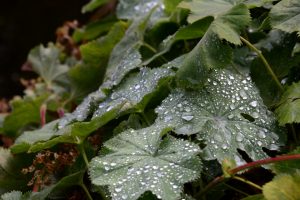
288	111
230	16
133	9
283	187
125	55
228	114
285	16
15	195
140	161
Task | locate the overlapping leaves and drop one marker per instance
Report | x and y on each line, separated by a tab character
138	161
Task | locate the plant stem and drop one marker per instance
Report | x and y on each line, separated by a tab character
82	151
234	171
247	182
151	48
86	191
145	118
264	162
268	67
233	188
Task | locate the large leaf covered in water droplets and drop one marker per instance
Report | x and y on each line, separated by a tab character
227	114
137	161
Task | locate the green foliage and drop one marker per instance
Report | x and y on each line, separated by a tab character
161	93
288	110
134	162
285	16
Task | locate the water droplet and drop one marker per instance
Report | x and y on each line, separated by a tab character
243	94
261	134
259	143
239	138
118	189
253	104
230	116
224	146
124	196
137	87
187	116
113	164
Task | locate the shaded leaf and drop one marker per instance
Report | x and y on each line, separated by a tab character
285	16
136	161
230	16
45	61
24	112
209	53
283	187
93	4
95	55
228	114
289	109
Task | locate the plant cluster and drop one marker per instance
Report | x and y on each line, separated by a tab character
160	99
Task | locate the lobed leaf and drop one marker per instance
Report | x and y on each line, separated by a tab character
228	114
140	161
289	166
285	16
288	110
283	187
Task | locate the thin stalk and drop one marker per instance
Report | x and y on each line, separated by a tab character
234	171
267	65
82	151
235	189
247	182
151	48
89	197
145	118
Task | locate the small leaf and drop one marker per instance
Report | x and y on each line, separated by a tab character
24	112
285	16
283	187
288	111
140	161
230	16
45	61
93	4
228	114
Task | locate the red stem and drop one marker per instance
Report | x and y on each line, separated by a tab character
43	110
263	162
257	163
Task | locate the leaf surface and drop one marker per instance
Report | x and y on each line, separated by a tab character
140	161
288	111
285	16
283	187
228	114
93	4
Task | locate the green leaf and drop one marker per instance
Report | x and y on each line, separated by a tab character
93	30
289	109
209	53
277	48
15	195
170	5
138	161
133	9
24	112
230	16
95	57
125	55
288	166
132	96
11	177
283	187
228	114
258	3
285	16
45	61
93	4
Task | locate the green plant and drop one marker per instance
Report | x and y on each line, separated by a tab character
189	95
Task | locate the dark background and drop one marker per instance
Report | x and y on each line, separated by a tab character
25	24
